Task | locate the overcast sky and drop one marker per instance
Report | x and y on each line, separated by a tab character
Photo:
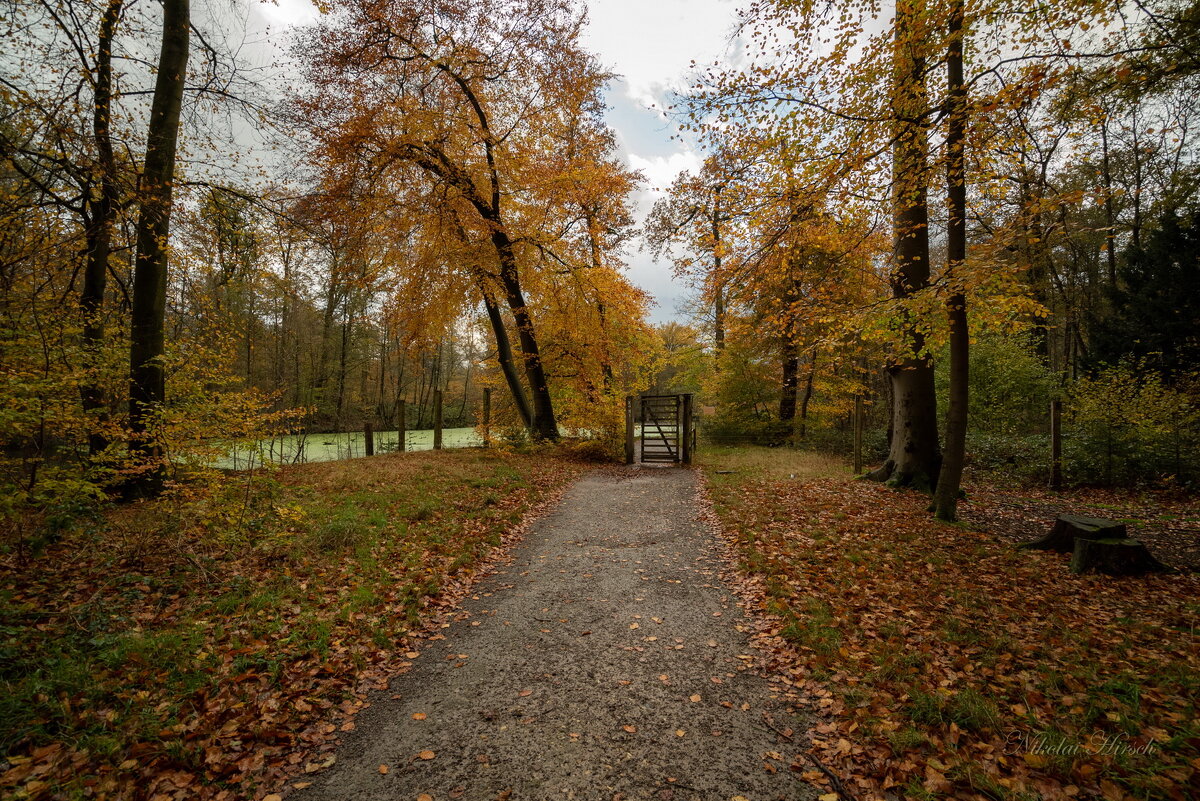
650	44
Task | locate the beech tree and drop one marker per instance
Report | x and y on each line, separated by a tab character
147	388
466	95
950	476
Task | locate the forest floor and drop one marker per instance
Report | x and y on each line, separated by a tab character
942	662
206	644
761	627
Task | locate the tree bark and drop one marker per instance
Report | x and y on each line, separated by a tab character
504	357
1069	528
913	457
719	293
101	216
147	387
1114	557
544	425
950	476
791	374
808	391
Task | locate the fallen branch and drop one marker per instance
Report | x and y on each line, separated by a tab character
835	781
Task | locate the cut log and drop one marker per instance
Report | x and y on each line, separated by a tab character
1114	557
1069	528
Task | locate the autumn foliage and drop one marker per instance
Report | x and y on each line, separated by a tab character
941	662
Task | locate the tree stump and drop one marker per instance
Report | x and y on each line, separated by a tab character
1070	528
1114	557
1099	545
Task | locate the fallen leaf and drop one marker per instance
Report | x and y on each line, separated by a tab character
418	715
630	729
383	768
694	697
426	755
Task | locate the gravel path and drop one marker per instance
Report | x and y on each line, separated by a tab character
605	662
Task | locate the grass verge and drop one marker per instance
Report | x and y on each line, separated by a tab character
192	646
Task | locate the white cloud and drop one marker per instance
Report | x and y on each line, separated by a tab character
285	13
652	43
660	171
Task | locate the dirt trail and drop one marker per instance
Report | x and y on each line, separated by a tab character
605	662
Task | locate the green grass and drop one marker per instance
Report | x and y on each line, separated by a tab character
958	639
120	633
727	463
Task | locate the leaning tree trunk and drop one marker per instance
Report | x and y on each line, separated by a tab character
913	456
505	358
147	388
950	476
545	426
102	213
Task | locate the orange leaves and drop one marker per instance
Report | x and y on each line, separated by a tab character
945	653
254	726
425	755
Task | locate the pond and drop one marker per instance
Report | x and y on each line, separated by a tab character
301	448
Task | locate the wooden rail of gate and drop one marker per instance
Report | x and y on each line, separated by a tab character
667	433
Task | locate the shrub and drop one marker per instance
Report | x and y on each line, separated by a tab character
1124	425
589	450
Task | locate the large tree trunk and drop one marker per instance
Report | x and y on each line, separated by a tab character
791	374
544	425
147	387
504	357
950	476
102	212
913	458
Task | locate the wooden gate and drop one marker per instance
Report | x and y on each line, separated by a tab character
666	435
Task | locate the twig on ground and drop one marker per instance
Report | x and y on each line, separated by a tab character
835	781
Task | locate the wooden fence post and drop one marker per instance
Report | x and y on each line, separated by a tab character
402	423
369	438
685	446
487	417
629	454
1056	444
437	419
858	433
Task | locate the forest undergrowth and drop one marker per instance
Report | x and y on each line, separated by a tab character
943	662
